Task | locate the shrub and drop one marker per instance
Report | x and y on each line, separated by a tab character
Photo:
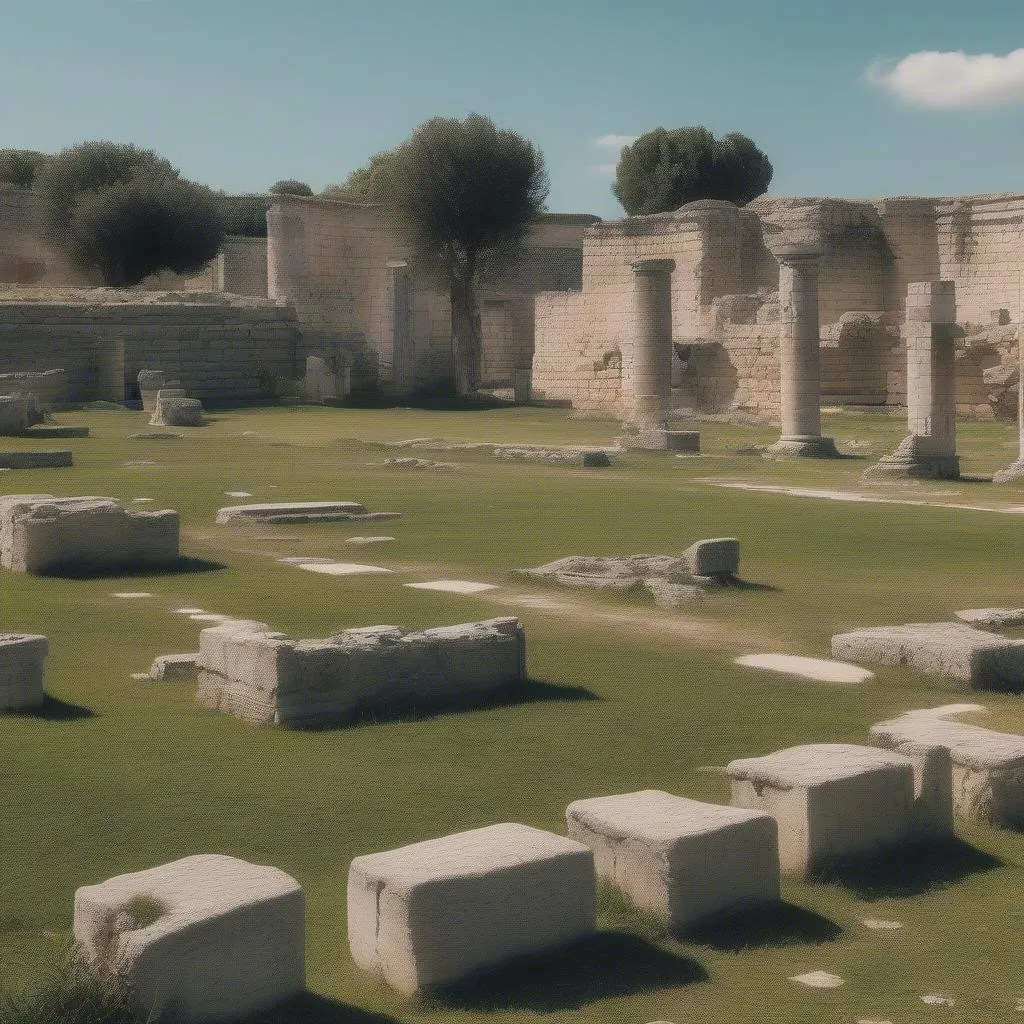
290	187
20	166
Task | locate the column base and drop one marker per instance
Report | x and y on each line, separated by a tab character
1015	471
803	446
908	462
659	440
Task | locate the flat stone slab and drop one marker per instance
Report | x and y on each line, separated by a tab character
130	595
996	618
173	666
269	678
368	540
453	586
681	859
238	494
35	460
877	925
443	910
154	435
300	512
21	670
344	568
819	669
165	927
53	430
831	800
951	649
818	979
306	560
988	766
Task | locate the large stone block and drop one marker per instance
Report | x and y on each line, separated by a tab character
42	534
987	766
21	670
14	415
207	937
266	677
440	911
950	649
831	800
684	860
719	556
173	409
35	460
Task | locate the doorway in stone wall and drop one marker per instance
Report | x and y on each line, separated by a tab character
403	355
497	353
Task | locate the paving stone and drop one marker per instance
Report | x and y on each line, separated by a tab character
132	594
997	618
300	512
35	460
173	666
937	1000
818	979
819	669
877	925
344	568
453	586
367	540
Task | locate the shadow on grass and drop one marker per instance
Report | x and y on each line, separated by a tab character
53	709
909	870
529	691
309	1008
87	571
735	583
775	924
607	965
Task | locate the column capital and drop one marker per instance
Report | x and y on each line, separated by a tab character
798	255
652	268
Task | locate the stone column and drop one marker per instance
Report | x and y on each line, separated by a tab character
1015	471
403	362
799	341
651	328
929	452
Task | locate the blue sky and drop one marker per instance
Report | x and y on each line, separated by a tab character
855	98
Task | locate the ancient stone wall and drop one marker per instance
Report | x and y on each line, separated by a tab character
215	349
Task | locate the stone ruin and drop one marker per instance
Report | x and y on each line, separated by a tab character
21	670
300	512
325	380
18	413
268	678
173	409
208	937
41	534
670	579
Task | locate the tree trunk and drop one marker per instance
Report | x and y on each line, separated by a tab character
466	334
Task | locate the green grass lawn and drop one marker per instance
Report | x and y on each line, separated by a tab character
120	775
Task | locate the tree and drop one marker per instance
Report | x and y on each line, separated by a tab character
365	184
464	192
662	170
126	212
20	166
290	187
244	215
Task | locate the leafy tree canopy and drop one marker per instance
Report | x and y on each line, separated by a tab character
20	166
290	187
662	170
126	212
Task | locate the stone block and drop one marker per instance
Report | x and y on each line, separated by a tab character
21	670
41	534
951	649
266	677
438	912
173	666
832	801
683	860
987	766
14	417
299	512
718	556
174	410
35	460
206	937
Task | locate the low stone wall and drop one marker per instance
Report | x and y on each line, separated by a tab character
217	347
266	677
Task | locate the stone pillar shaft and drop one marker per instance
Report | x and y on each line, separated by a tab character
652	342
799	342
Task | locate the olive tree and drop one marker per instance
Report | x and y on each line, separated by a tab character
463	192
126	212
662	170
20	166
290	187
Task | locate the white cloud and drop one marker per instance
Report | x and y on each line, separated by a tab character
953	79
615	142
605	170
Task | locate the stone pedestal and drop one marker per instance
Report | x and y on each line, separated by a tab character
929	452
799	340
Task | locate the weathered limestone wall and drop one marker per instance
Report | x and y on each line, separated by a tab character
215	350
